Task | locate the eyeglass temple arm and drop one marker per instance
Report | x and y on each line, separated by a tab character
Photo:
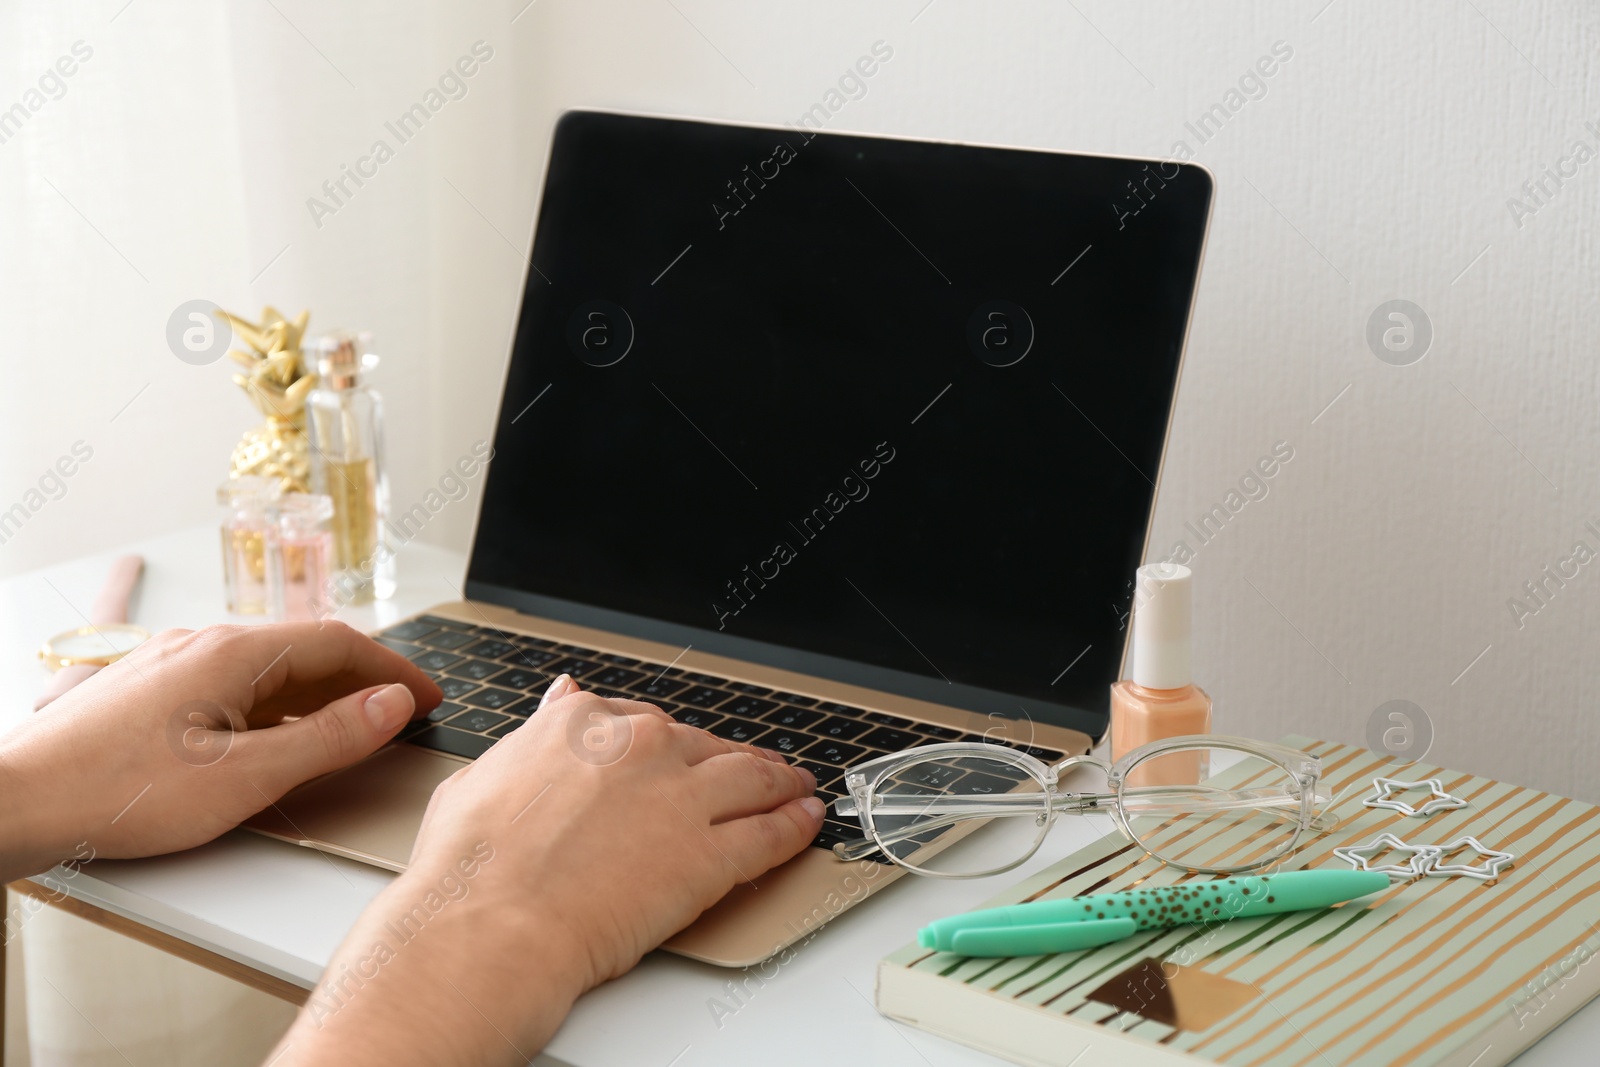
936	812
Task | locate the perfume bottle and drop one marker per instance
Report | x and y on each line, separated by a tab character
344	419
246	535
300	559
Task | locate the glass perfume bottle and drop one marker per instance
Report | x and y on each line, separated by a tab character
344	419
246	535
300	568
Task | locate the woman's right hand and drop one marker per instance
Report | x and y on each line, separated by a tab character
579	842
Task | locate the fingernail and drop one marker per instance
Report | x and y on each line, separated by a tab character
814	807
558	689
389	707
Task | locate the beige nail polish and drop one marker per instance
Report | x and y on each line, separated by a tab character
556	689
1159	699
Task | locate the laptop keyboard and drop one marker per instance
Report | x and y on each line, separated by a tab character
493	679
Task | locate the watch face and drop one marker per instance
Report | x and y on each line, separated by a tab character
101	643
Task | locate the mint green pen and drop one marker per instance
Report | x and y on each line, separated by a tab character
1071	923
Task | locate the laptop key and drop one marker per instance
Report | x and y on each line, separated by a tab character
835	752
841	709
934	774
792	717
444	711
890	740
574	666
615	677
449	639
478	670
520	678
1048	755
749	707
455	742
620	661
505	728
842	729
436	622
793	698
702	696
786	741
405	648
490	649
704	679
697	717
490	697
433	660
529	657
533	642
749	688
524	707
456	688
738	730
658	687
409	631
885	719
939	733
477	721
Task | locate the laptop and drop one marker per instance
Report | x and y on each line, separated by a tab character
827	443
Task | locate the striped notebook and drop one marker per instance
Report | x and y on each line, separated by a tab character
1443	971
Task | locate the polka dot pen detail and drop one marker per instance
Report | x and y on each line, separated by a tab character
1074	923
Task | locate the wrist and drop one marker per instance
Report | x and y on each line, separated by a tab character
29	843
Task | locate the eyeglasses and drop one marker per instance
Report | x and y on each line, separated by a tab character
1206	804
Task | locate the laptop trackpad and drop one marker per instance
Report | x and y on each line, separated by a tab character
369	812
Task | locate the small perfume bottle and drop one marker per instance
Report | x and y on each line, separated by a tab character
247	534
1160	700
344	419
301	565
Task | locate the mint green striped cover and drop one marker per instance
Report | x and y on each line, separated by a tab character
1404	977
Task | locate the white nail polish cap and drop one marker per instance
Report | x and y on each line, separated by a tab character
1163	620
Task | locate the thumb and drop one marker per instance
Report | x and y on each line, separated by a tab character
334	736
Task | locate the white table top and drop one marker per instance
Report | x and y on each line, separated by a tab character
284	910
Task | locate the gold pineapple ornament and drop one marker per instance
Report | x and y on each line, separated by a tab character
276	379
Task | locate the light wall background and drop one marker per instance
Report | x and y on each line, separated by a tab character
1376	165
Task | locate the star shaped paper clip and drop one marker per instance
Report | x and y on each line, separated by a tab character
1360	856
1385	789
1493	861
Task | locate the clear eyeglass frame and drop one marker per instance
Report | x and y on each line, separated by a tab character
1300	806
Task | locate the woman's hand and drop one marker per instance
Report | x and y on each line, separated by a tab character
580	841
185	737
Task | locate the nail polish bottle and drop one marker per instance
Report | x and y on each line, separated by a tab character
1159	699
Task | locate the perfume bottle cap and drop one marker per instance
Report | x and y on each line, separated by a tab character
302	512
248	493
1163	619
342	355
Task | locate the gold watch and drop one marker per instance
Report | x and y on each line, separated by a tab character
92	646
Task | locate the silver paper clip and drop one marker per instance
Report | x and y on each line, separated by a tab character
1360	856
1493	861
1385	789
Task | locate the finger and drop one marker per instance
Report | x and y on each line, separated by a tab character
324	661
615	705
698	745
742	783
760	842
562	686
279	758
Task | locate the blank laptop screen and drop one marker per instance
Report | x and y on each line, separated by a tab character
887	411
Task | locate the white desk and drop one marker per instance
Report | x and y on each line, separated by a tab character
282	911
